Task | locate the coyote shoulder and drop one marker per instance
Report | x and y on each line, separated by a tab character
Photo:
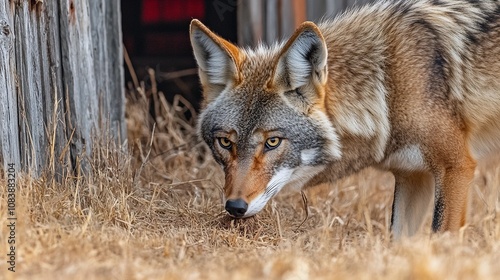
412	87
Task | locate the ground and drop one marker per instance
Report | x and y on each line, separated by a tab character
154	211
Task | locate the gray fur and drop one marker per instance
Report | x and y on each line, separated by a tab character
245	112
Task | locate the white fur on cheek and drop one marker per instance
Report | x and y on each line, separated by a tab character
307	156
277	182
289	177
256	205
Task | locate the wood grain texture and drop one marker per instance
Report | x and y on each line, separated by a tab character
9	141
29	58
62	79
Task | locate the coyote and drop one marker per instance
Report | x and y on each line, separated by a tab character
412	87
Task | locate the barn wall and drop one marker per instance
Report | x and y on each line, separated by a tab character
9	142
271	20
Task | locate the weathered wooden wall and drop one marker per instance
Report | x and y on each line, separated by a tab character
271	20
61	81
9	142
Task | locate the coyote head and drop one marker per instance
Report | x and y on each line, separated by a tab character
264	114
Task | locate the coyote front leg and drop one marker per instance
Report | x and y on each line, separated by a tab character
452	187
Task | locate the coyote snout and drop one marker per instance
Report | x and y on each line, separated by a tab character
236	207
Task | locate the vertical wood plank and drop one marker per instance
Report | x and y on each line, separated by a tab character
272	21
9	130
293	13
98	30
79	76
52	88
108	66
250	22
33	139
116	91
41	117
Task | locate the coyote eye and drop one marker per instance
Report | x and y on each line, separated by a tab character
225	143
273	142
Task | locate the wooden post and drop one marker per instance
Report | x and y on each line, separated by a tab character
62	79
9	141
79	76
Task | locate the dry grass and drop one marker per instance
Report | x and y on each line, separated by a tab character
155	213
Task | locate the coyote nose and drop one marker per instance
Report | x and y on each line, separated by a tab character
236	207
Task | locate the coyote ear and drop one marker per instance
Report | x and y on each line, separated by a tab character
218	60
303	59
